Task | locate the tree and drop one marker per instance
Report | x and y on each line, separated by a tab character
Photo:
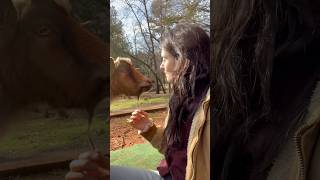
140	11
118	40
166	13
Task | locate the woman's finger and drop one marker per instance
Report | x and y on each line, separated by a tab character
135	121
144	113
139	112
137	115
96	157
91	155
134	116
137	118
136	111
101	173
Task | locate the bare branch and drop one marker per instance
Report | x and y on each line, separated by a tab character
139	22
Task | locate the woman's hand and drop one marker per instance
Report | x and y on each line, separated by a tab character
140	120
90	166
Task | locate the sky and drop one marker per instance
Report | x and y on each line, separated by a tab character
128	20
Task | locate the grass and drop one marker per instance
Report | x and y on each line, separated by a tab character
131	103
139	156
38	135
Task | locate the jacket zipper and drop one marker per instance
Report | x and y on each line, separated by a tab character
301	160
299	151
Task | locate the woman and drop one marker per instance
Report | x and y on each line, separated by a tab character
266	89
186	60
185	138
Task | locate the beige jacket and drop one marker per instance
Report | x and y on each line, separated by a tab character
198	151
300	157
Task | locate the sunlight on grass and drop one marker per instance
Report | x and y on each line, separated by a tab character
139	156
131	103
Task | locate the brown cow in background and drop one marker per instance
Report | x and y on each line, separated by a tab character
125	79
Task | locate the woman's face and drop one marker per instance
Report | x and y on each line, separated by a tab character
168	65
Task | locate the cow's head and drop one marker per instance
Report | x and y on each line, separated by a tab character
126	79
46	55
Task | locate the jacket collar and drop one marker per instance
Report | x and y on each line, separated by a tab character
207	98
313	109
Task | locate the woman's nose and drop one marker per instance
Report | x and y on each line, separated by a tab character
161	67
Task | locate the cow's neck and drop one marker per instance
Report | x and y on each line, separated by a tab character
6	106
113	92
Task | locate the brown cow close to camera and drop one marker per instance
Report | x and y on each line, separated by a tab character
47	56
126	79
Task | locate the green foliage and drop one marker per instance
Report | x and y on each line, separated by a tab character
118	40
166	13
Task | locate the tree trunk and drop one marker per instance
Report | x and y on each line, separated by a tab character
152	45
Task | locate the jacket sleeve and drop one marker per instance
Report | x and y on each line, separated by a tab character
155	135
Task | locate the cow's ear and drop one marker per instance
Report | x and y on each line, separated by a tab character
21	7
7	12
112	66
129	61
8	21
65	4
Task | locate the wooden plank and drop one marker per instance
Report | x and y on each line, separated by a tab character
42	163
151	108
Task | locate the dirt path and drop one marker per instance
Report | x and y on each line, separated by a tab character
123	135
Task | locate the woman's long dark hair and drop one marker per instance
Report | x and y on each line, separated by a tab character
189	44
264	67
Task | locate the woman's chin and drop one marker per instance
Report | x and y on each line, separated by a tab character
169	79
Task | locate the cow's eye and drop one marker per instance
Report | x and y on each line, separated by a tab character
44	31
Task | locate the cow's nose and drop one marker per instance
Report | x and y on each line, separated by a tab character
101	74
151	81
102	86
101	79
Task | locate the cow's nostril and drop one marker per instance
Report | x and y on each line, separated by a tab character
102	85
151	81
101	75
